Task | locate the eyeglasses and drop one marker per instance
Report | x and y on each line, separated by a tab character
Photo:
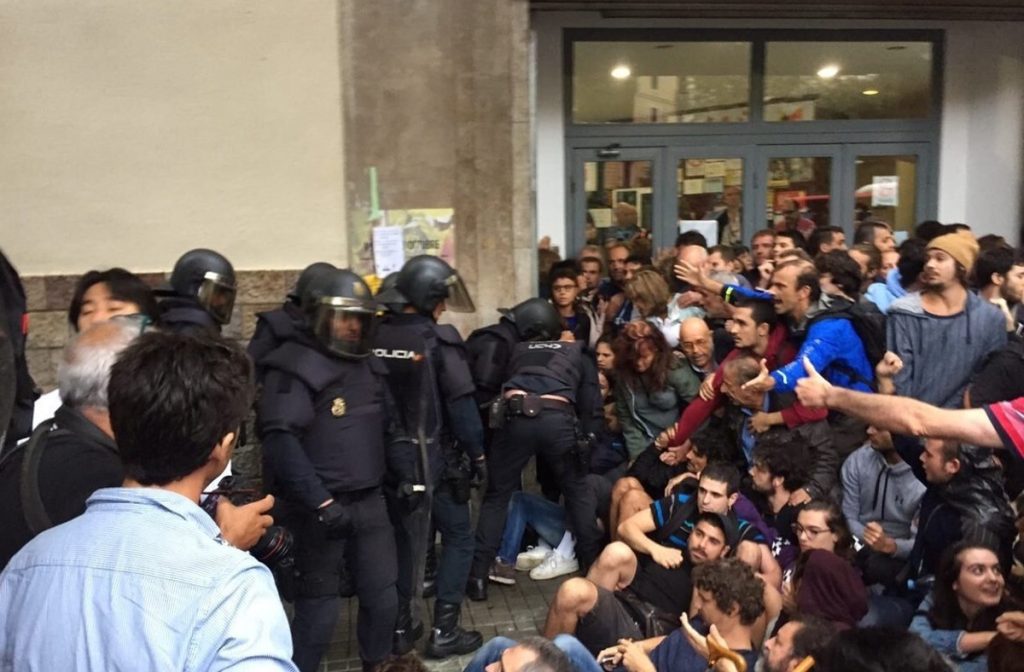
811	532
563	288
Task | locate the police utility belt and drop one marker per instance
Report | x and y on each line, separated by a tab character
529	405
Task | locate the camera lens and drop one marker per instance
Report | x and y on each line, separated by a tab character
275	545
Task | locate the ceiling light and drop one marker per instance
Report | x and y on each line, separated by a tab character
870	92
828	71
621	72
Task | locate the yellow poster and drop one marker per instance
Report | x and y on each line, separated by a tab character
426	231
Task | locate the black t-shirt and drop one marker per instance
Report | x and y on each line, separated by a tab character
74	464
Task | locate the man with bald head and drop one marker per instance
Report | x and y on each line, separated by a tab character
686	300
76	454
696	343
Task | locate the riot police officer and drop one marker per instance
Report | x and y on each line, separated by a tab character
550	405
200	294
432	386
323	418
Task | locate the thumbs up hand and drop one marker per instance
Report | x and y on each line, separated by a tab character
812	390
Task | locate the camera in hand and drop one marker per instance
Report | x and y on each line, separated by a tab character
274	548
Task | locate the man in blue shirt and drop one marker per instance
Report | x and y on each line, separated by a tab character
143	580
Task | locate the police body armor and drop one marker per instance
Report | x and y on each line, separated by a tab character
344	439
183	316
273	328
410	352
490	351
546	367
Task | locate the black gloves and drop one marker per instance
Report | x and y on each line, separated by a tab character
336	519
479	467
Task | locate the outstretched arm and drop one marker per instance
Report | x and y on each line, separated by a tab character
899	414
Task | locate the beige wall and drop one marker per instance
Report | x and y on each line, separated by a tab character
132	130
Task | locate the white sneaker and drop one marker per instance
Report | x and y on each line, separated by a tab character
554	565
532	557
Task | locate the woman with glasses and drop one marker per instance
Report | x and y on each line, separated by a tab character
958	618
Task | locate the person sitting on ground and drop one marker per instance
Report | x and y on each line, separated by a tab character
621	599
533	654
825	585
798	639
881	501
820	525
958	618
728	599
876	649
779	468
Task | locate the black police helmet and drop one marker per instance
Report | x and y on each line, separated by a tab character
208	277
341	312
426	280
388	294
535	320
309	275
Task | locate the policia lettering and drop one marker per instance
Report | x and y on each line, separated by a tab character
329	438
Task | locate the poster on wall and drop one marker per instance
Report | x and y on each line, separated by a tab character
706	227
714	168
425	231
695	167
885	191
388	250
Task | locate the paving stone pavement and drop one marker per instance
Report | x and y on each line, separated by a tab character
512	611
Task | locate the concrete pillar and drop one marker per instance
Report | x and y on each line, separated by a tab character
435	97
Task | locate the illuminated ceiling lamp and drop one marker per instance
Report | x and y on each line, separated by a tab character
621	72
828	71
870	92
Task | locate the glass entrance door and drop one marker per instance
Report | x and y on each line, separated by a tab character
799	184
711	193
888	182
616	194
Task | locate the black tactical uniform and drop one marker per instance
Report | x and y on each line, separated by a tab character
552	403
432	384
200	294
324	420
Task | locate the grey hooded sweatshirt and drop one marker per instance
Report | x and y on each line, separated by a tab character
940	353
876	491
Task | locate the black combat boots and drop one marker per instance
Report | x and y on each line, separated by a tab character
407	632
447	638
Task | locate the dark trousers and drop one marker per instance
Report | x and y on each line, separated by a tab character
552	436
451	519
370	553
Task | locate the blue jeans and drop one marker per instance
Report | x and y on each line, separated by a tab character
545	517
580	659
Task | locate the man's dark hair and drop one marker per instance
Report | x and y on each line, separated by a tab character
732	582
784	454
990	241
995	260
723	472
820	236
635	258
878	649
592	260
550	658
1004	655
563	273
407	663
844	270
714	443
913	257
728	252
957	226
799	242
874	257
691	238
745	368
739	250
762	233
762	312
813	636
929	230
123	285
173	398
867	231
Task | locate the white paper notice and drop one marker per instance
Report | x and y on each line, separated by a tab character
388	250
706	227
885	191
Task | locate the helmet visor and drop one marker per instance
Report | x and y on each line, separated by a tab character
217	296
458	300
345	330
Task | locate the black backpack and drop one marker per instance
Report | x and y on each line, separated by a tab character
17	389
869	323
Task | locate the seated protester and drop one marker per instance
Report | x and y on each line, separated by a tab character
564	293
618	601
778	469
799	638
648	292
879	650
532	654
958	618
727	595
604	355
826	586
1004	654
820	525
901	280
881	500
554	556
99	296
757	332
608	453
651	386
759	411
655	475
963	495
